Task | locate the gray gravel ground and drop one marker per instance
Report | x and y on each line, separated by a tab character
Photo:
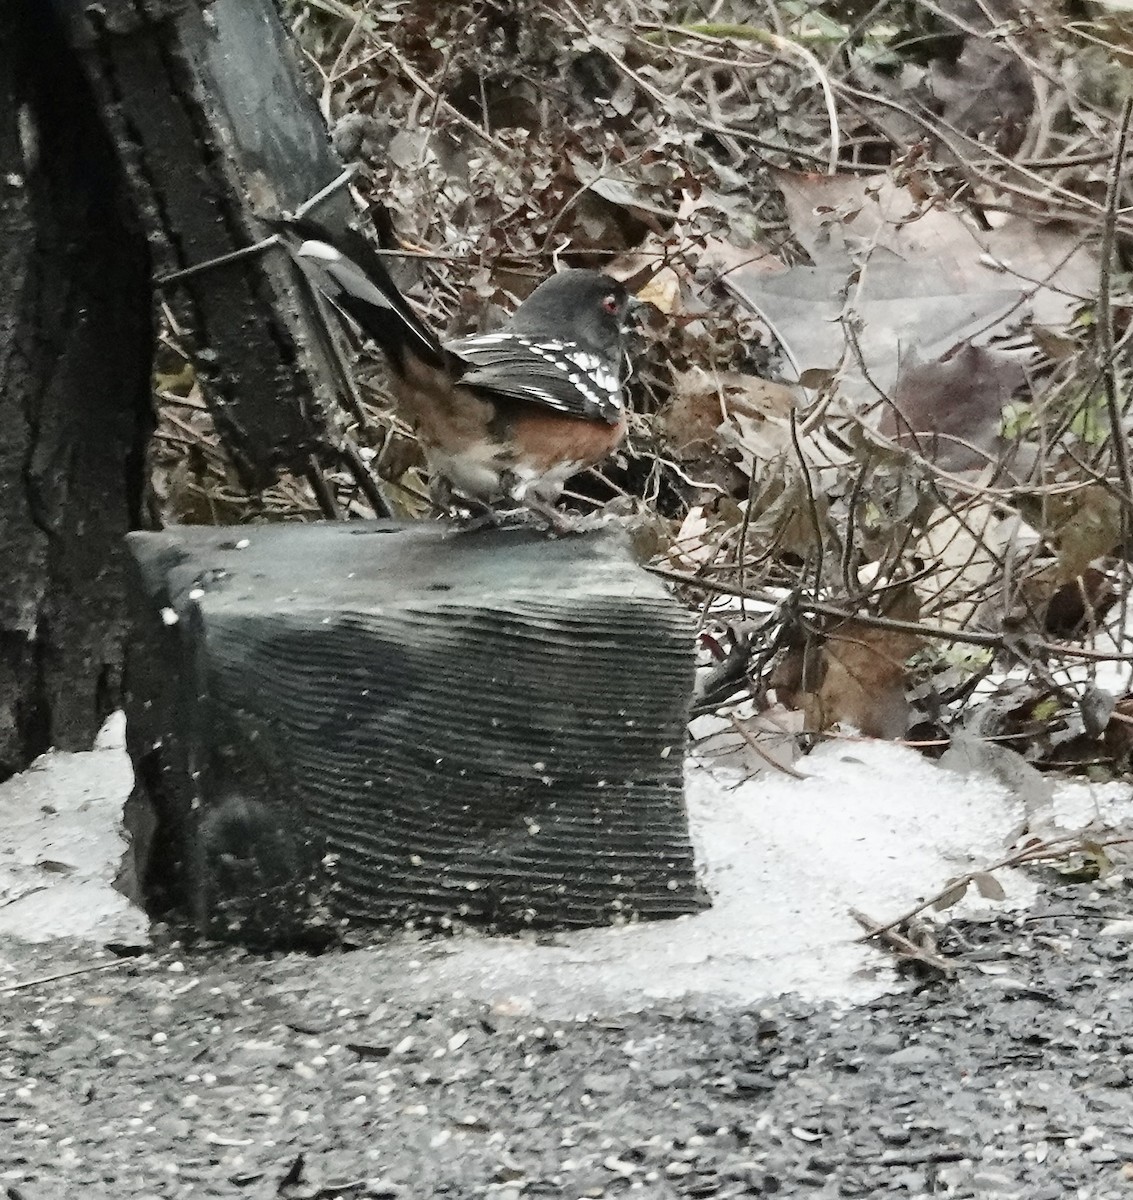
180	1074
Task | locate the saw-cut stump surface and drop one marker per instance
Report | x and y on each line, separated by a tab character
365	722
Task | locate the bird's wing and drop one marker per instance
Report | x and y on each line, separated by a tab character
559	375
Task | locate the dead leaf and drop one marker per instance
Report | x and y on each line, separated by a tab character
894	306
781	512
689	420
1076	607
816	378
1092	862
624	194
1084	525
950	409
910	272
1056	263
1119	733
692	547
988	886
1056	346
968	754
702	400
837	216
1096	706
723	258
969	546
864	682
955	892
662	290
757	426
855	675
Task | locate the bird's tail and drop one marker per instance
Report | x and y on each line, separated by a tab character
350	273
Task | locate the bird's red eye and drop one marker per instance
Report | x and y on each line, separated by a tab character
610	304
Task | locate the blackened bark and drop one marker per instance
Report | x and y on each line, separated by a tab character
75	352
207	109
137	137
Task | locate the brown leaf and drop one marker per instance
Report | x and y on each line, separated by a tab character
988	886
861	680
1056	346
949	409
1119	733
815	378
955	892
689	420
702	400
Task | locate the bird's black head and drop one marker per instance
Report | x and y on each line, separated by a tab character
586	307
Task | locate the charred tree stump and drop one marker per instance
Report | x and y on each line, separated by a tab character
137	138
369	723
215	128
75	354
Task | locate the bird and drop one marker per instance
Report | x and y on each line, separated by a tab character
503	418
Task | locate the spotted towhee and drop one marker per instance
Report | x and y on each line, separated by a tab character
504	418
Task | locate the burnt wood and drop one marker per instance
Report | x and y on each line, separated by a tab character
137	138
76	344
370	723
214	127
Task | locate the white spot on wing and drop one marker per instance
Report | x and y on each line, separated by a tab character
319	250
322	262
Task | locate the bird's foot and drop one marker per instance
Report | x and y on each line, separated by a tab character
553	520
470	515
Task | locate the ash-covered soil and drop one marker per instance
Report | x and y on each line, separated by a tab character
186	1074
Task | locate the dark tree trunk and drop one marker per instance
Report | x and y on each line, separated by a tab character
211	119
137	137
75	349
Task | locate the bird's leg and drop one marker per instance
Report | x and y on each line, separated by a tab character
442	494
467	514
557	521
472	522
471	515
533	505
